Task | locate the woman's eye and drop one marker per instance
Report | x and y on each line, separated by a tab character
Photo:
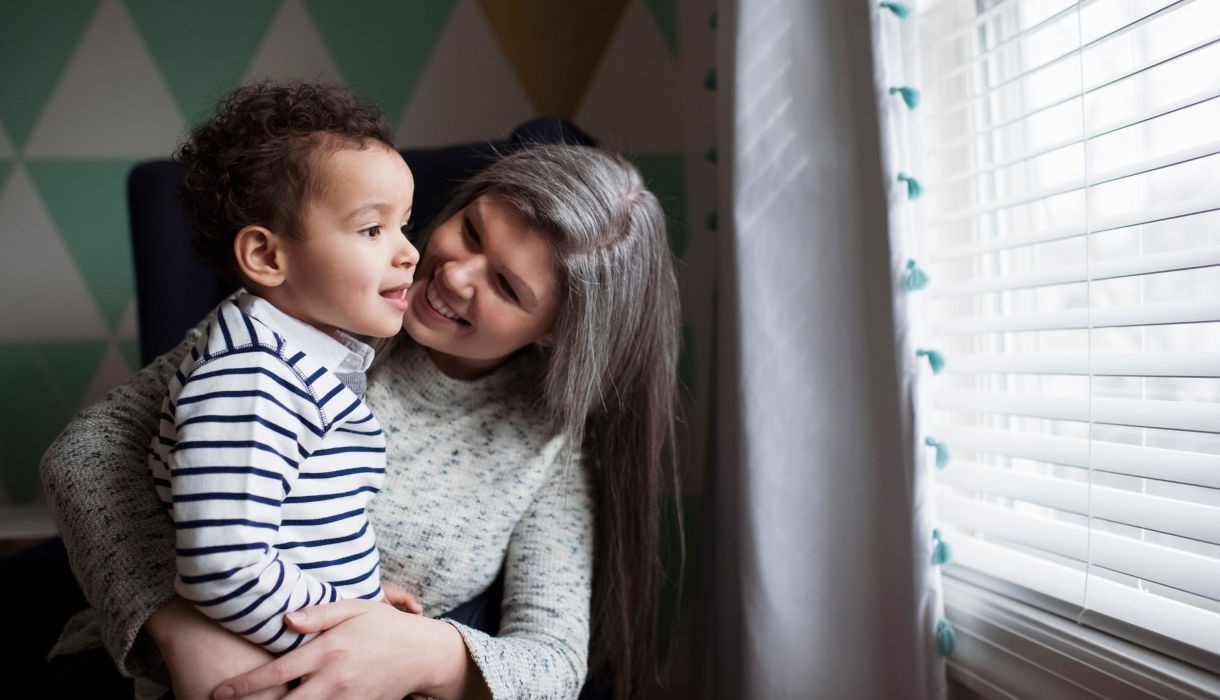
507	288
371	231
469	232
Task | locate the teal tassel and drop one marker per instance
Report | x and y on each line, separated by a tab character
946	641
935	360
909	95
916	278
942	553
713	21
914	189
710	155
712	221
709	80
900	10
942	452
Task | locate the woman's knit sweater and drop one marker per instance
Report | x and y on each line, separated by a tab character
474	480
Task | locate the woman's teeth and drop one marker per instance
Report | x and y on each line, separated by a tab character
440	307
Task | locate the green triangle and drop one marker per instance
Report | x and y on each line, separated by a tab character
43	385
130	350
381	59
202	49
665	13
665	175
36	41
88	202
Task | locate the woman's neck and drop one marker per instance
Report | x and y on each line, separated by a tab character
462	367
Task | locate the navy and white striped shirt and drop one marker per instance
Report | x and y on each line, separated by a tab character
265	460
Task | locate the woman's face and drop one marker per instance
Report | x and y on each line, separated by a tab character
486	287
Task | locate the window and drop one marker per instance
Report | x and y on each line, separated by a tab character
1071	229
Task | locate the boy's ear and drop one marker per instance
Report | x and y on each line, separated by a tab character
260	256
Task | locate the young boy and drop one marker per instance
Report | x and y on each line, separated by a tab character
266	455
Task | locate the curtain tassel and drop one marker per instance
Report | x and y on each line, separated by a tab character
935	360
909	95
899	9
942	452
709	80
916	278
941	552
946	641
914	189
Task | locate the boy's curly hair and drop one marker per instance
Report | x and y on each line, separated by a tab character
250	162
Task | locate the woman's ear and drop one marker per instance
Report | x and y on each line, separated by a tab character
260	256
546	341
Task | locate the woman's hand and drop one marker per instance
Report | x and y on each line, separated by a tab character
200	653
367	650
399	598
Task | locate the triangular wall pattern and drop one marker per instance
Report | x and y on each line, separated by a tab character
366	36
35	264
665	12
202	49
632	103
43	386
665	175
88	202
554	46
36	39
110	101
466	54
293	48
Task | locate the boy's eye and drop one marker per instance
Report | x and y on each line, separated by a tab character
371	231
507	288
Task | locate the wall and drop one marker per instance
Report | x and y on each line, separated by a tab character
89	87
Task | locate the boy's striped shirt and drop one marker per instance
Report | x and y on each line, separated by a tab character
266	462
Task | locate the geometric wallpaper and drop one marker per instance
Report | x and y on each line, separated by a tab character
90	87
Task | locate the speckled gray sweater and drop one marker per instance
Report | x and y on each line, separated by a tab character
473	479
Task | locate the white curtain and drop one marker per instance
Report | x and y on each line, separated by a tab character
819	543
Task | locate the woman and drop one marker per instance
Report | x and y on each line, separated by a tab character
532	396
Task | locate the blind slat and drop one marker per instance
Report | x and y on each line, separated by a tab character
1152	562
1143	413
1177	466
1163	364
1165	515
1169	261
1107	317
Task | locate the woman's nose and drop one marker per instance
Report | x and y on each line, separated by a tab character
460	275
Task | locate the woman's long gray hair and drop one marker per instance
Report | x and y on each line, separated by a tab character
611	372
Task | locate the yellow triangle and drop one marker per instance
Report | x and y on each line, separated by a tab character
554	46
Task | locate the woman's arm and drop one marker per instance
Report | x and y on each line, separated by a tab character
369	650
119	542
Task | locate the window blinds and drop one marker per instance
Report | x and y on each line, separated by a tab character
1071	229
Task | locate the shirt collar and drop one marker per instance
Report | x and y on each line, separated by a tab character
340	354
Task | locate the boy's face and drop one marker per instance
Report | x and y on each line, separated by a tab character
350	265
488	286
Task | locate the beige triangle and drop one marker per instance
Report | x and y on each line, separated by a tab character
6	146
44	296
440	112
634	102
129	328
292	48
111	100
553	46
111	372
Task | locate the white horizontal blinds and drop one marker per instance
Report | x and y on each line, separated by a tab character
1072	235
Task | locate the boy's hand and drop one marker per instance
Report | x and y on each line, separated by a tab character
399	598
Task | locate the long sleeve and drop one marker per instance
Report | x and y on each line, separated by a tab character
245	422
118	538
541	650
266	461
